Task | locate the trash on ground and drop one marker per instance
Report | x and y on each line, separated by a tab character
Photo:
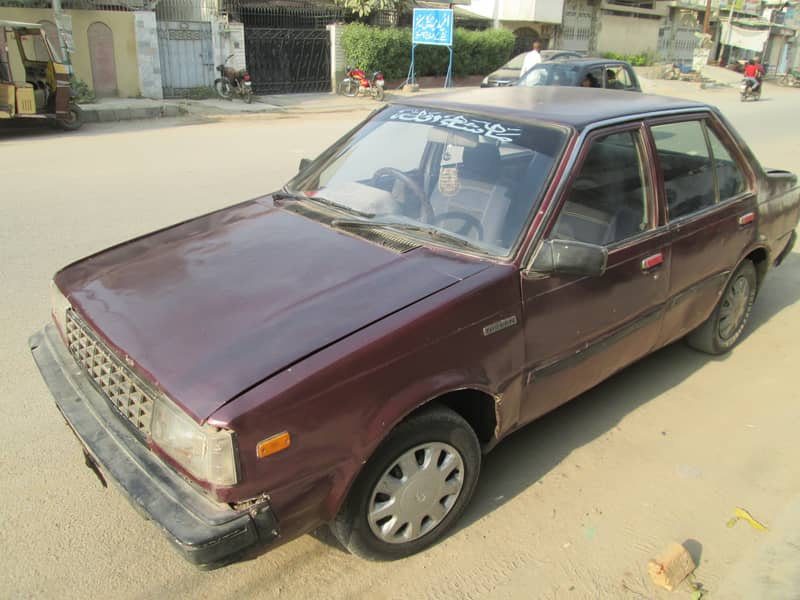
671	567
741	513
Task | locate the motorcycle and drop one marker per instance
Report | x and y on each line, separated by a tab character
357	82
790	79
233	82
746	91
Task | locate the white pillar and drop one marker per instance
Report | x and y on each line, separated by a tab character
338	58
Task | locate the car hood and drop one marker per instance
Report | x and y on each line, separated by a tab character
504	74
208	308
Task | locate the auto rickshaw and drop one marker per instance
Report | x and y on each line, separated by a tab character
33	83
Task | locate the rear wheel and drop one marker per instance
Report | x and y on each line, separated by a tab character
413	489
783	80
379	93
722	330
248	96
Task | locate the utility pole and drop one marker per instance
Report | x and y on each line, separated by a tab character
730	28
707	18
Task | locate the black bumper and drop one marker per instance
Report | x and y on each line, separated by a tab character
207	533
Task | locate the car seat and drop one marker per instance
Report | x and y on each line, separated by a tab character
479	194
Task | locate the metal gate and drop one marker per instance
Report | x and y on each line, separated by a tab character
576	30
285	61
186	53
677	40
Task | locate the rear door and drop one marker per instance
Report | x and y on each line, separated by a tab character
580	330
710	206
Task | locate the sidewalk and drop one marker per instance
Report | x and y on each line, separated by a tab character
123	109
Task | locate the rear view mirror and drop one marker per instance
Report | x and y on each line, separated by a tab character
304	164
568	257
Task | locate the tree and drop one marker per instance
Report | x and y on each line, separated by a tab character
364	7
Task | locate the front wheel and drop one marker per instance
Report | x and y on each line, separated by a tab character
378	93
248	96
73	120
722	330
223	88
783	80
413	488
348	88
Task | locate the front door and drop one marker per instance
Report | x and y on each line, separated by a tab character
580	330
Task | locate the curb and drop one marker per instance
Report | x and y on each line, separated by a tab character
100	114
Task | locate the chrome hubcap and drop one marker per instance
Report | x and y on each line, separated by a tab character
734	308
416	493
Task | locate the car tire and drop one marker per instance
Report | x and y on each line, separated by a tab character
413	489
723	329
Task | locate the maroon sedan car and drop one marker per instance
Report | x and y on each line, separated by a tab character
344	350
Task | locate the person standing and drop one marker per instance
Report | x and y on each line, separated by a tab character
532	59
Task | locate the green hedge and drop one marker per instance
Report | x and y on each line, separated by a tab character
389	50
642	59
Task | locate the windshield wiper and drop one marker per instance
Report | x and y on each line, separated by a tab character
433	232
285	194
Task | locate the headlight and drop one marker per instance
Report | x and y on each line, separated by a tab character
204	451
58	307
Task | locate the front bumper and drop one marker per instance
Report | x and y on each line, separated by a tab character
207	533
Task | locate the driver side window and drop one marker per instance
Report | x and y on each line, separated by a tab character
607	201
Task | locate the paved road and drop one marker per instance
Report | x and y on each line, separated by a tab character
573	506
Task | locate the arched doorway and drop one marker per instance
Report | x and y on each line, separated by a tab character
525	38
101	54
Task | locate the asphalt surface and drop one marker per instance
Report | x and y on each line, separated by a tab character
572	506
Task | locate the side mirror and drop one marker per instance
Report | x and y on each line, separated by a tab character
304	164
568	257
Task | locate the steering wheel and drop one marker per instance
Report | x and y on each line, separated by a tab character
426	210
469	222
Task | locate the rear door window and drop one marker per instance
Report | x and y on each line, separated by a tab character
617	78
730	177
686	166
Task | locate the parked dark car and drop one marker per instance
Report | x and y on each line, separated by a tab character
586	72
344	350
510	72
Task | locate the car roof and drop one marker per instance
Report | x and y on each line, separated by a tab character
20	25
575	107
590	60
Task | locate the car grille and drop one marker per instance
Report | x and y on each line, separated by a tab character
115	381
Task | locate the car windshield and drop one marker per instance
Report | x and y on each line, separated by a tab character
554	73
516	62
473	180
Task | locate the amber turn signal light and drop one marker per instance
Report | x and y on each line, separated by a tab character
271	445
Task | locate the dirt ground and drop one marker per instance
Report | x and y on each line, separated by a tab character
572	506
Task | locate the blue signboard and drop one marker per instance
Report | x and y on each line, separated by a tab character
433	26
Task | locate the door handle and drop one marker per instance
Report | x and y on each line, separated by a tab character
651	262
747	218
